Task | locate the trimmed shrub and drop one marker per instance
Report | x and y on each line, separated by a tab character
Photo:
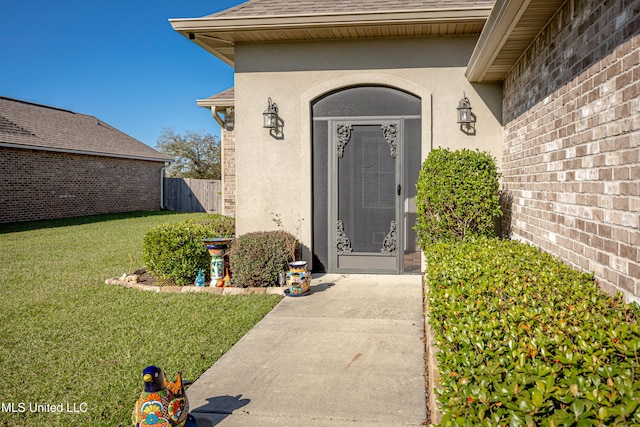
216	225
457	196
525	340
175	252
257	258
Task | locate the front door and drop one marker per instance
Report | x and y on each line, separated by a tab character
366	161
366	184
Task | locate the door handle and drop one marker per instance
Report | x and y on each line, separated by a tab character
399	189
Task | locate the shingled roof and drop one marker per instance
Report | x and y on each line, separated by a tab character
221	99
286	7
281	20
28	125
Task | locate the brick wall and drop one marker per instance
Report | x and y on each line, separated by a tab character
43	185
571	159
228	172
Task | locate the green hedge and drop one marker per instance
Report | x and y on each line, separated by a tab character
457	196
175	252
257	258
527	341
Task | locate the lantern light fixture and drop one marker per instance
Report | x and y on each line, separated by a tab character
270	115
229	119
465	117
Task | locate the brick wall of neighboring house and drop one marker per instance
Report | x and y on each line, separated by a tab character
228	172
44	185
571	158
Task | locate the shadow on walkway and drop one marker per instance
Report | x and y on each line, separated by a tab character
217	409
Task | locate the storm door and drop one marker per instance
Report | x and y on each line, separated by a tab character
366	188
366	161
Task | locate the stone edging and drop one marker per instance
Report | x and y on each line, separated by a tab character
129	282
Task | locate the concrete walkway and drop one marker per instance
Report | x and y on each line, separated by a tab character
349	354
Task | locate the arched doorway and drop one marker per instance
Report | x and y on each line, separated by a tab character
366	160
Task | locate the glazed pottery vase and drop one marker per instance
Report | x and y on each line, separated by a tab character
298	279
217	248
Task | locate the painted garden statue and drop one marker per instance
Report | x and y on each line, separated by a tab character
161	403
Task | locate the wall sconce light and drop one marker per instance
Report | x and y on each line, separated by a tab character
229	119
270	116
466	119
464	111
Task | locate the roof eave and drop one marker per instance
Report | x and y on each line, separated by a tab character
225	98
511	28
206	103
209	48
258	23
503	19
219	31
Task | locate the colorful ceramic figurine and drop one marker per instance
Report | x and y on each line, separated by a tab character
298	279
161	403
200	278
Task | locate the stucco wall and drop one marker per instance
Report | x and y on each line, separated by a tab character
44	185
273	175
572	141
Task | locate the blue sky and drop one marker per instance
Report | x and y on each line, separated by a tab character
118	60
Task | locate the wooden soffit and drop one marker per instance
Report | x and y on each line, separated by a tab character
219	35
510	29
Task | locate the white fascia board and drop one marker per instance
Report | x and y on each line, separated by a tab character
257	23
212	103
503	19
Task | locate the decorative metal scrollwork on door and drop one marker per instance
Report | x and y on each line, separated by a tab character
390	132
390	243
344	135
343	243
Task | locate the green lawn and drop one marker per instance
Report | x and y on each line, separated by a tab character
67	338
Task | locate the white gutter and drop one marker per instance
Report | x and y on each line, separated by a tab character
216	108
257	23
218	34
166	165
503	19
216	105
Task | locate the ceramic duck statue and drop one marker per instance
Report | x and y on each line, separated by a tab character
161	403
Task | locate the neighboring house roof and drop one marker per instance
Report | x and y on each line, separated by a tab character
510	29
280	20
28	125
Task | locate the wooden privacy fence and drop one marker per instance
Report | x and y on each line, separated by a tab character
193	195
